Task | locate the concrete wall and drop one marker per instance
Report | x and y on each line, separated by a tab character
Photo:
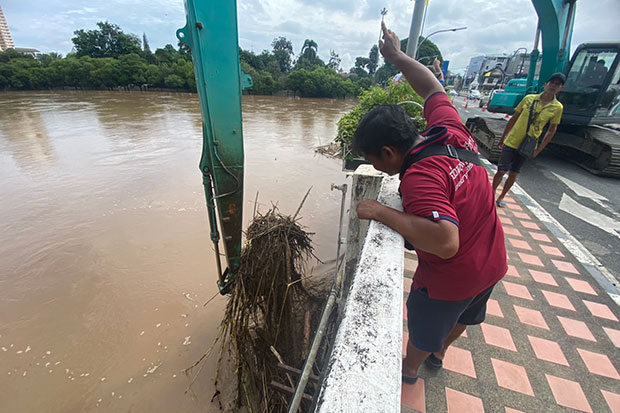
364	371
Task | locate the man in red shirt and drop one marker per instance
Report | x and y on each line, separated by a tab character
449	213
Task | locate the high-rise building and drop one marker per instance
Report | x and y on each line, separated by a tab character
473	69
6	41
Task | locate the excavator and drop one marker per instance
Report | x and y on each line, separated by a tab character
211	34
589	133
591	102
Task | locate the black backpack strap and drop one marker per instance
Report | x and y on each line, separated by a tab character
444	150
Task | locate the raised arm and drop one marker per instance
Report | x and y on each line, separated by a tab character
422	80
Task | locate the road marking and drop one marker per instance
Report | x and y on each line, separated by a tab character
609	283
587	193
580	190
592	217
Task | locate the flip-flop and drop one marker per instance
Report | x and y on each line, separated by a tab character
409	380
433	362
501	204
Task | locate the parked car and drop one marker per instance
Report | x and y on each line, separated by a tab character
474	94
453	93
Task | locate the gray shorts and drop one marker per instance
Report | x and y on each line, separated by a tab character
510	160
430	321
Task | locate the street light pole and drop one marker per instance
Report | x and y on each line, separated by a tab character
416	28
433	33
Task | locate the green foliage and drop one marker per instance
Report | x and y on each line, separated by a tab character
309	49
264	83
19	71
308	64
321	82
334	60
427	51
282	51
108	41
108	58
377	96
373	60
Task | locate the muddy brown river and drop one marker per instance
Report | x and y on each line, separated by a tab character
105	257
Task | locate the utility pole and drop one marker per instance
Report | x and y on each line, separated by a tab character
416	27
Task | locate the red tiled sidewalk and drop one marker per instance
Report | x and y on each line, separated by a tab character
550	342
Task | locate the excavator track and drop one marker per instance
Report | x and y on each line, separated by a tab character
594	148
487	132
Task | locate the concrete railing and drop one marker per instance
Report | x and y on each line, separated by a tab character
364	370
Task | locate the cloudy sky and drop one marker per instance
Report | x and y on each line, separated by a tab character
346	26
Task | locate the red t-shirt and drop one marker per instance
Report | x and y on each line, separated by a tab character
440	187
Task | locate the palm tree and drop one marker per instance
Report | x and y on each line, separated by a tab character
309	49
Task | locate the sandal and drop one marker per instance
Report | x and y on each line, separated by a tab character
433	362
500	204
409	380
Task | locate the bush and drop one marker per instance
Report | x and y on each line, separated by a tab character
377	96
320	82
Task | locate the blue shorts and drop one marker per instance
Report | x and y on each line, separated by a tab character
430	321
510	160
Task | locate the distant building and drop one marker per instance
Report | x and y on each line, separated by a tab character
492	62
518	65
6	41
493	79
473	69
28	51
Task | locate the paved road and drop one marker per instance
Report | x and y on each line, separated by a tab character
588	206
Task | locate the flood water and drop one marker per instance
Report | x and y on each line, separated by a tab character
105	256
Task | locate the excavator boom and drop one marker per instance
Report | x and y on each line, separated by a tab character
211	34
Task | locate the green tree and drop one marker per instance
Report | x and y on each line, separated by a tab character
309	50
13	54
108	73
47	58
146	50
373	60
334	60
360	66
108	41
167	55
174	82
320	82
378	96
154	76
132	69
282	51
184	51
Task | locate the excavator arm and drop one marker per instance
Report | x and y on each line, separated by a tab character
555	24
211	34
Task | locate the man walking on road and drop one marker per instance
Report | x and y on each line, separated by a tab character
546	109
449	212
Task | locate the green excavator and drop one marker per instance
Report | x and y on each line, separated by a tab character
211	34
589	133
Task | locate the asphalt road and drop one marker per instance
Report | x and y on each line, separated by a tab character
586	205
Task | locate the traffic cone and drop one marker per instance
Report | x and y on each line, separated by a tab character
507	116
484	108
452	101
466	103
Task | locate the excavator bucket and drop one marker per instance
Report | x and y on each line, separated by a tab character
211	34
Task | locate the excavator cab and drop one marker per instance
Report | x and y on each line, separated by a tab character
591	95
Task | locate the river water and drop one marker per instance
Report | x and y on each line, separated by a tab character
105	257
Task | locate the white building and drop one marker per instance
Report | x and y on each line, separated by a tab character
6	41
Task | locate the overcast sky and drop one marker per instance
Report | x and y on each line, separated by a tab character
348	27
